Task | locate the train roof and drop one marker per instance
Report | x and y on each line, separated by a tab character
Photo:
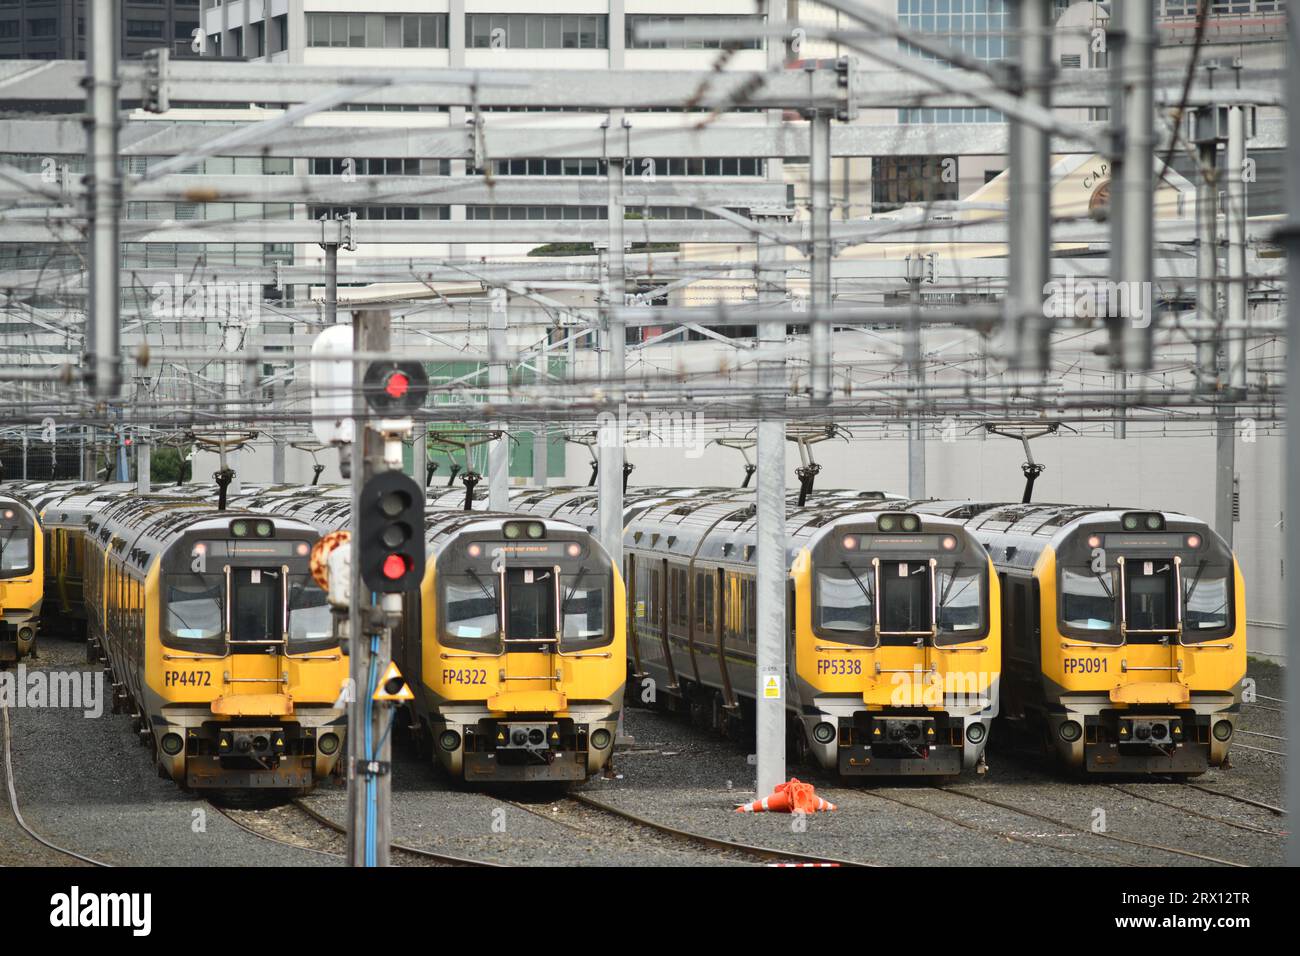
727	529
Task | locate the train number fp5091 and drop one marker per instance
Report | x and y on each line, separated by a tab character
1086	665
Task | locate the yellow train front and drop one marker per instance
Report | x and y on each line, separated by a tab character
218	641
22	577
894	629
1125	634
514	646
519	641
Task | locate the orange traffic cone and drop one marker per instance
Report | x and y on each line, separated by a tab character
795	796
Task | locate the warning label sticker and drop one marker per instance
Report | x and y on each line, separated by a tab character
772	687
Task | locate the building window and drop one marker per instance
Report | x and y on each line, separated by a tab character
280	33
641	19
500	212
144	29
8	29
375	211
537	31
43	27
378	30
896	180
979	29
380	166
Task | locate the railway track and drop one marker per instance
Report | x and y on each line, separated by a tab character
17	810
1276	811
337	832
1177	851
446	859
758	854
1235	824
989	830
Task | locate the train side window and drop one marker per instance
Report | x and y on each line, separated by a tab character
751	617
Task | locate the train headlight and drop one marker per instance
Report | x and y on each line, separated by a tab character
1222	730
449	741
1094	541
265	529
239	529
328	744
600	738
1070	731
824	733
535	529
574	549
975	732
171	744
886	523
1130	522
474	550
949	543
1193	540
1153	522
910	523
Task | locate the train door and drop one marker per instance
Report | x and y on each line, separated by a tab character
530	633
257	609
633	628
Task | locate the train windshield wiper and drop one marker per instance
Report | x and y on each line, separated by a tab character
865	591
576	581
481	586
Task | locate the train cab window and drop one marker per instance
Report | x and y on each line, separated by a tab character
195	615
905	596
583	609
960	592
15	542
530	604
1206	599
844	600
1088	599
472	608
310	625
257	609
1149	603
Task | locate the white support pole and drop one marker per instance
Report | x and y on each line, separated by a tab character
1292	483
820	343
499	448
772	674
1132	190
143	476
1238	297
1207	268
1225	471
610	480
541	448
105	184
914	353
1031	194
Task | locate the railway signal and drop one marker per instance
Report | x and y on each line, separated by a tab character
391	533
396	388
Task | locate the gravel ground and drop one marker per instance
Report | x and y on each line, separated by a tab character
692	779
514	826
88	786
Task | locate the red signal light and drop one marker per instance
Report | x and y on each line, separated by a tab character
394	566
397	385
